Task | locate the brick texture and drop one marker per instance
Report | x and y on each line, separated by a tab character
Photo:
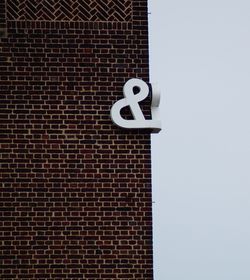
2	19
69	10
75	190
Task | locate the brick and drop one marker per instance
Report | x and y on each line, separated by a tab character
75	199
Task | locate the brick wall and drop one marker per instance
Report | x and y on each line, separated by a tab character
75	190
2	19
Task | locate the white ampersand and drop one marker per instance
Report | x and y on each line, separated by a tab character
132	100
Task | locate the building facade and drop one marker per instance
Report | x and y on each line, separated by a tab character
75	190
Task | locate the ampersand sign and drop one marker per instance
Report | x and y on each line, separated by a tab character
132	100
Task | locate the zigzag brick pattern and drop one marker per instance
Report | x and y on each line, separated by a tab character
69	10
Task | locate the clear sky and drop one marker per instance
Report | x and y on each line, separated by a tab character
200	57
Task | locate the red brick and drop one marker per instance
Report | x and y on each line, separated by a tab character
75	193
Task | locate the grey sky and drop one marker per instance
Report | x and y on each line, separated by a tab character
200	57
